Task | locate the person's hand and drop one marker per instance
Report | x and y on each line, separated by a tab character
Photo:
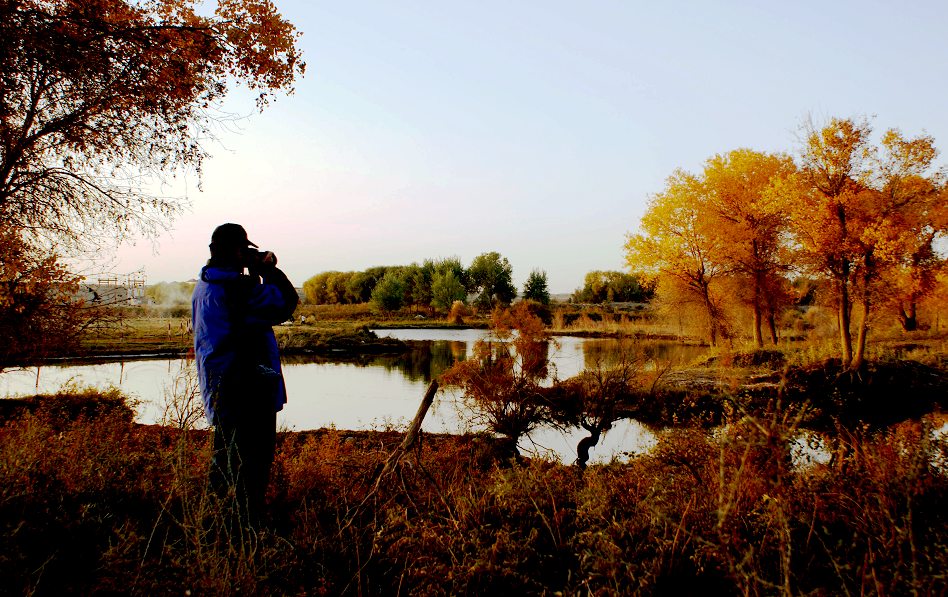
269	259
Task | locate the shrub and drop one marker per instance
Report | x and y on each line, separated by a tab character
501	381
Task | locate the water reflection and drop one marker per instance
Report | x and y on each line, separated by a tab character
422	362
370	391
567	355
425	360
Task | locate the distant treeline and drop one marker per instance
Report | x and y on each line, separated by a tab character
613	287
435	283
439	283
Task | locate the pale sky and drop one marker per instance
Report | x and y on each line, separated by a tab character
535	129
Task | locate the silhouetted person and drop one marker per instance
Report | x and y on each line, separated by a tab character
238	362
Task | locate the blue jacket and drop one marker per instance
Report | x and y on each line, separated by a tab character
234	346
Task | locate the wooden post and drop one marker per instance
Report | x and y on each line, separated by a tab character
410	436
392	461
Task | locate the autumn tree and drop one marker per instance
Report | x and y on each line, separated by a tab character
337	284
99	95
858	210
327	288
824	203
914	259
915	276
678	247
491	277
535	288
40	313
751	223
596	398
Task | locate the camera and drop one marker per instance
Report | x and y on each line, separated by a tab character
255	258
252	256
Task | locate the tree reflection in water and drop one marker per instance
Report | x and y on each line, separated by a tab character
426	360
423	361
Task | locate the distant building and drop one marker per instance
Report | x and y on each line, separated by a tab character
127	290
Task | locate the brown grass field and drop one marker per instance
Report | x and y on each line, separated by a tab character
92	503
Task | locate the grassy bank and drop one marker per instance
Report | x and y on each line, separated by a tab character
145	335
91	502
329	329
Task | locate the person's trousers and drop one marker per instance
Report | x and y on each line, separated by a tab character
244	444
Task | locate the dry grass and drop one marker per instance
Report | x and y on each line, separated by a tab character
90	502
623	321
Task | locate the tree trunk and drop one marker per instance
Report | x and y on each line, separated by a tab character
712	315
860	349
843	314
908	319
411	435
862	334
758	337
842	278
772	325
585	444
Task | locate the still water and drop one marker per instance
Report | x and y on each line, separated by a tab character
374	392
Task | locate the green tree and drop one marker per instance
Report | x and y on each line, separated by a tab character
535	288
359	288
417	285
452	264
389	293
491	276
445	289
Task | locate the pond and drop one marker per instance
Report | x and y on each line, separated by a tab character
371	392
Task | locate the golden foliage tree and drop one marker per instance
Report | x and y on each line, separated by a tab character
750	221
678	247
857	211
921	212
